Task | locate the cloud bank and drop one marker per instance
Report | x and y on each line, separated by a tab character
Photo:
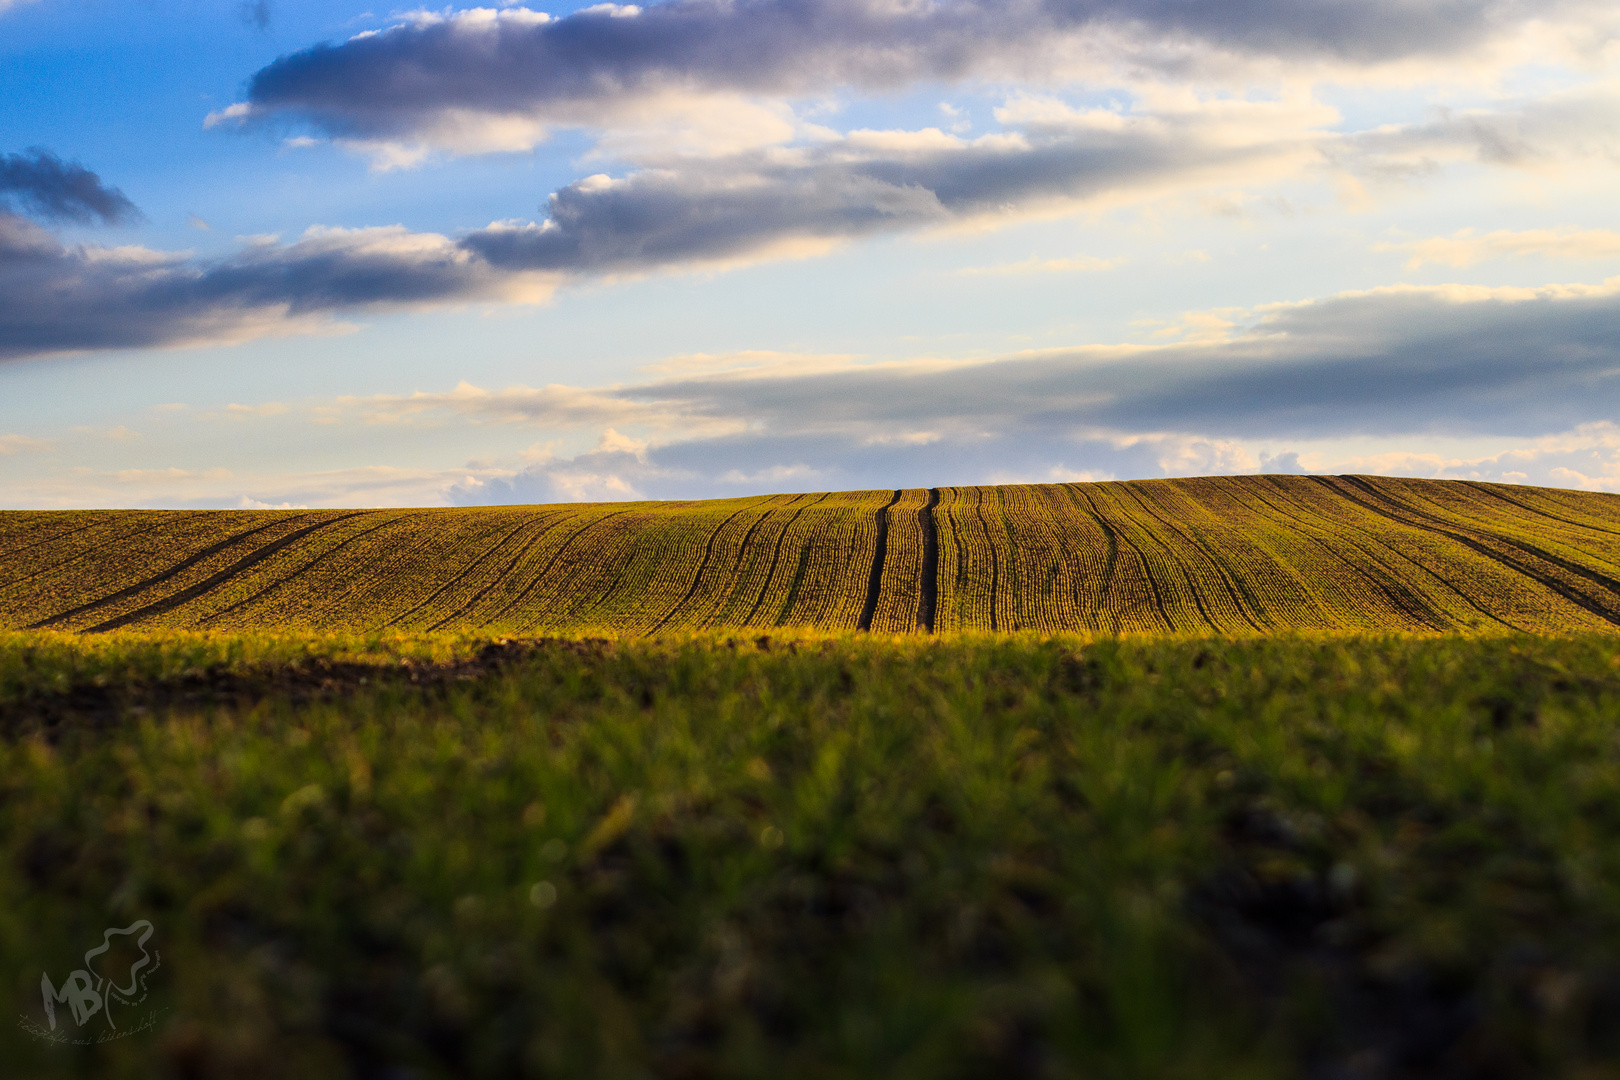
435	77
1424	364
56	298
1506	384
1049	159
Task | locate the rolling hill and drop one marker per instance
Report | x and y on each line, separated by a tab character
1230	555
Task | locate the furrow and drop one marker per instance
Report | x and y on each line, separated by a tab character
501	577
1110	559
708	557
1221	572
191	593
1394	590
158	579
292	576
1444	527
54	539
1510	563
990	545
880	551
928	587
555	555
456	579
1154	592
1493	491
776	556
1447	619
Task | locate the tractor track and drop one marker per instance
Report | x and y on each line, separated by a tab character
1234	556
172	572
1444	528
287	579
460	575
880	553
776	555
555	555
708	557
212	582
928	587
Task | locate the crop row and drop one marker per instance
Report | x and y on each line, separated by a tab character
1227	555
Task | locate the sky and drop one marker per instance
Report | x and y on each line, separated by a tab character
280	253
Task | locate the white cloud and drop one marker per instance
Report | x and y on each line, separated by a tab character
17	444
378	486
1083	264
1469	246
1585	457
750	362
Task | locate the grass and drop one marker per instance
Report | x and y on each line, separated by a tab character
820	857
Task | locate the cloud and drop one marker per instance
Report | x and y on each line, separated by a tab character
1399	360
719	212
1467	246
1084	264
1587	457
431	76
803	200
55	298
371	486
1412	365
1516	384
551	407
39	183
17	444
749	363
1051	159
1540	135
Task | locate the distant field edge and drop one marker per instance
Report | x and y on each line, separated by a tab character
1229	556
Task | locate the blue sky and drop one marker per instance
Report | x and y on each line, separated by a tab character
322	254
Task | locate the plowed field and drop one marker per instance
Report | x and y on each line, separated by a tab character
1229	555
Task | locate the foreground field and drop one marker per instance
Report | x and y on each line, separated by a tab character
1226	555
852	857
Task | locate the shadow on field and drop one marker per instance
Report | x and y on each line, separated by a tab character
96	704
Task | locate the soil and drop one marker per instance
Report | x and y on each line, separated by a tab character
95	705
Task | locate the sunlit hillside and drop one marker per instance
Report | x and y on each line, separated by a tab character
1234	555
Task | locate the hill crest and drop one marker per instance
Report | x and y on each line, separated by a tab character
1228	555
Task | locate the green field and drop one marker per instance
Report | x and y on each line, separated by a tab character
1225	555
1254	777
820	857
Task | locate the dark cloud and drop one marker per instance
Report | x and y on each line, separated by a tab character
56	298
751	205
402	80
39	183
735	206
1407	362
1387	362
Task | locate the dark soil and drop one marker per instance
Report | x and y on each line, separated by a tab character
93	705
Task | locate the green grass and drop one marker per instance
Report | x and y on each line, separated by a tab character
823	857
